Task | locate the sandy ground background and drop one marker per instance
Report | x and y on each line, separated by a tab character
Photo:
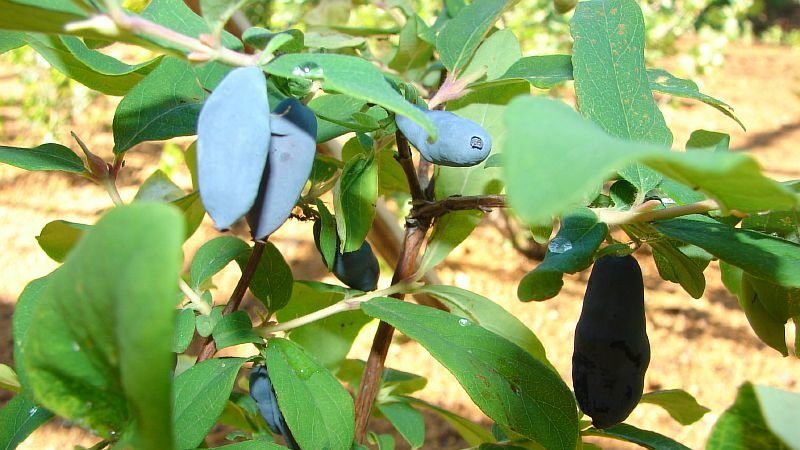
704	346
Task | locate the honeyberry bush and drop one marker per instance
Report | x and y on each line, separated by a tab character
97	340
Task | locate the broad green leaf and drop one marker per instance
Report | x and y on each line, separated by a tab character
495	55
218	12
645	438
234	329
570	251
663	81
18	419
611	81
382	441
330	110
761	255
348	75
9	40
213	256
546	137
675	266
329	339
59	236
176	15
164	105
272	283
543	71
199	396
745	423
406	420
46	16
489	315
411	51
193	211
101	352
96	70
318	410
332	40
781	303
158	187
184	330
486	108
354	199
470	431
462	35
21	321
767	326
702	139
43	157
680	405
514	389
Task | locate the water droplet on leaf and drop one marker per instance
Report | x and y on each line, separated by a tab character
559	245
308	70
463	322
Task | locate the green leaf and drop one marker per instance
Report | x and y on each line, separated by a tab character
462	35
327	235
329	339
46	16
760	255
199	397
570	251
18	419
611	81
760	418
349	75
543	72
205	324
176	15
411	52
354	199
489	315
680	405
9	40
470	431
8	379
101	352
318	410
407	421
544	137
59	236
164	105
21	321
253	445
43	157
331	40
193	211
768	327
272	282
218	12
675	266
663	81
645	438
514	389
96	70
331	110
234	329
158	187
213	256
393	382
702	139
495	55
184	330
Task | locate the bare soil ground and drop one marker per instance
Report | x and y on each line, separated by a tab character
704	346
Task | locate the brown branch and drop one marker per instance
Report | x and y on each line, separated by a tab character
404	158
209	348
431	210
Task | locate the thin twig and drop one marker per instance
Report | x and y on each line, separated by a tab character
458	203
209	348
404	158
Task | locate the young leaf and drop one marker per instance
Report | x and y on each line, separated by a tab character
272	283
412	52
349	75
645	438
164	105
218	12
702	139
355	196
546	136
18	419
462	35
43	157
489	315
761	255
339	330
213	256
316	407
761	417
158	187
199	397
234	329
680	405
570	251
59	236
101	351
184	330
513	388
407	421
495	55
611	81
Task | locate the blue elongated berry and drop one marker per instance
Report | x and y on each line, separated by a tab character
264	394
461	142
233	138
291	156
358	269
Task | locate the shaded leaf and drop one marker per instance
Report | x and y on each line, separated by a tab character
680	405
43	157
59	236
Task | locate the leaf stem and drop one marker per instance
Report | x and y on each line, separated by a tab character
616	217
194	299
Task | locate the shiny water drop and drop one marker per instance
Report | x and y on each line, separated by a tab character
463	322
559	245
308	70
33	410
668	201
